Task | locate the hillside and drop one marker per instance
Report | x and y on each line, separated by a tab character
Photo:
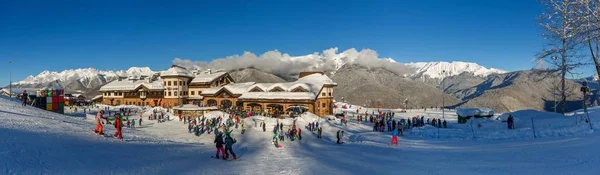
254	75
374	87
518	90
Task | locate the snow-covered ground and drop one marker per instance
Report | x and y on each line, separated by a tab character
33	141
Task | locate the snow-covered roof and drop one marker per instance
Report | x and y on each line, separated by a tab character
97	97
191	107
129	85
235	88
77	95
312	83
262	86
176	71
279	95
207	78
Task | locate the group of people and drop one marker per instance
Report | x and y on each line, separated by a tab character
437	123
158	115
292	133
100	124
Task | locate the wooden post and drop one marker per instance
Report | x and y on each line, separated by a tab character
472	130
533	127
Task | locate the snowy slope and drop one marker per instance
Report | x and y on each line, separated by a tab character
435	69
39	142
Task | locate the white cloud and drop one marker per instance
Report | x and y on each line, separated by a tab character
285	65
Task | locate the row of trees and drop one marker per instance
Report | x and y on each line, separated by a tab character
572	31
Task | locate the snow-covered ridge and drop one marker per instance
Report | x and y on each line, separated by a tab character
81	74
435	69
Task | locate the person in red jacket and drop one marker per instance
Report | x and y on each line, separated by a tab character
118	126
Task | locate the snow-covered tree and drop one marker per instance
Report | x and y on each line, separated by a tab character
562	29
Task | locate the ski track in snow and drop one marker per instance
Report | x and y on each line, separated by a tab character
33	141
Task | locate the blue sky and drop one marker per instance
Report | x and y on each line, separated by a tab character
114	35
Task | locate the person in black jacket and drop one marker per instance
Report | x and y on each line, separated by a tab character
281	126
338	137
24	97
264	127
219	143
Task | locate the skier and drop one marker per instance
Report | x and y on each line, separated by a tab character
281	126
24	97
118	126
299	134
140	121
99	127
133	123
394	137
444	123
243	128
439	123
219	143
275	134
264	126
228	147
319	131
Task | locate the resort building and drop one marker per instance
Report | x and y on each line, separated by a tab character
312	92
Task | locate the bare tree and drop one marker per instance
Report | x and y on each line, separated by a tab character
561	31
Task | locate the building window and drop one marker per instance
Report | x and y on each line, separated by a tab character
169	94
193	92
323	94
180	83
323	104
165	83
330	94
169	83
184	83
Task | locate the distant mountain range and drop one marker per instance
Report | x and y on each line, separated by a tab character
462	84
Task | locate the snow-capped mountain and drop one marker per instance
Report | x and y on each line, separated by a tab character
83	75
438	70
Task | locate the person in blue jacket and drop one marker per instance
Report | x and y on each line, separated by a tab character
228	147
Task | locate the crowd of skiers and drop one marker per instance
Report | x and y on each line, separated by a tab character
279	134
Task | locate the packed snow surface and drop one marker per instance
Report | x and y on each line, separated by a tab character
34	141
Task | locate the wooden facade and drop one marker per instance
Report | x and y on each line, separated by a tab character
321	105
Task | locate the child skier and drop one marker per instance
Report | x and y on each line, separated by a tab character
133	123
99	127
118	126
395	137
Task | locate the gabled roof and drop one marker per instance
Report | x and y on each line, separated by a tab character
129	85
313	83
279	95
207	78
